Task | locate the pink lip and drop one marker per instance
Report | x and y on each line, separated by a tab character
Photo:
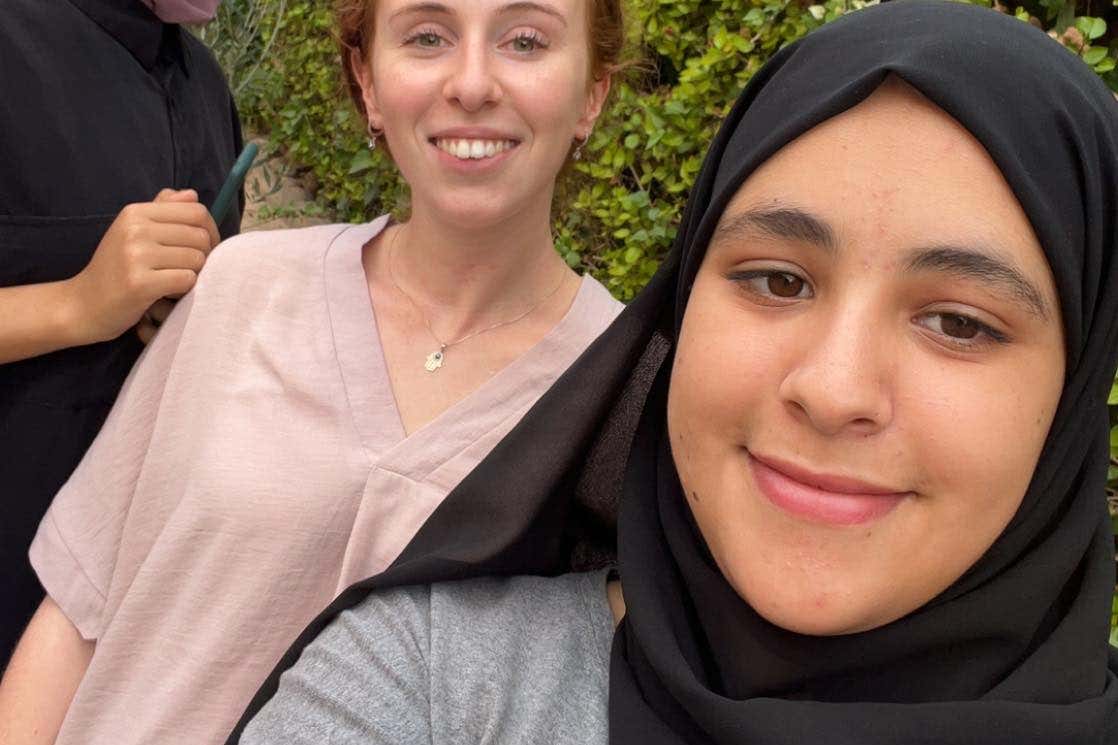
835	500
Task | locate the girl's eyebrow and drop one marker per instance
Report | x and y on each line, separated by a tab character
780	222
783	222
981	266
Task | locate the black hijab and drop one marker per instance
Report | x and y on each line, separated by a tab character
1015	652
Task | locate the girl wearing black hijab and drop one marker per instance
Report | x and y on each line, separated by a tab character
858	422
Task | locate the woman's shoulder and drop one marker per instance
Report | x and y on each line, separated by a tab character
482	607
593	309
524	598
273	255
483	660
596	293
299	244
523	656
510	659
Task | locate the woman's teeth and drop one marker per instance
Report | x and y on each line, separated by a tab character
473	149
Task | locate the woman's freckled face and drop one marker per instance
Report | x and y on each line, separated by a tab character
481	100
847	395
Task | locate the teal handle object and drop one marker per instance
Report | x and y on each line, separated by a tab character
233	182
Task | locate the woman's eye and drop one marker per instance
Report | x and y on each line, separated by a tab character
961	328
771	283
527	42
958	327
425	39
785	285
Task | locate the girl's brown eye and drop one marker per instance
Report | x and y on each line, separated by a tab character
958	327
785	285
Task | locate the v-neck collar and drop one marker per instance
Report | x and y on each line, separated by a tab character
368	387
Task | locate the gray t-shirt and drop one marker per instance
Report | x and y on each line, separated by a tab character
512	660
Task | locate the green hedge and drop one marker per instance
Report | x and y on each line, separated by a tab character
616	214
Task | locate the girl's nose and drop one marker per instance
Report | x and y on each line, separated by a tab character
840	382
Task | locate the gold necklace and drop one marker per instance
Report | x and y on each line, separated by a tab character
436	358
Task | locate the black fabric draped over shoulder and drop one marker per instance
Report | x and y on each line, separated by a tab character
1015	652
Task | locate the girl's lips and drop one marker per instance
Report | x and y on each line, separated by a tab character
820	498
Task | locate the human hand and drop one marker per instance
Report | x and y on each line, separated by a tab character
153	250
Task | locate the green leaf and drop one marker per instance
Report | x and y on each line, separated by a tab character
1094	55
632	255
743	45
1106	65
1092	28
361	162
1112	399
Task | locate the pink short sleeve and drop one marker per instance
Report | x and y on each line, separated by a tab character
75	549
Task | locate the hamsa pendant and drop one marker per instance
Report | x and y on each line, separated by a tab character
434	361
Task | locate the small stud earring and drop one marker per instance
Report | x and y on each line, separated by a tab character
373	135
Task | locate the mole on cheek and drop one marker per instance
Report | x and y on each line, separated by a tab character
694	495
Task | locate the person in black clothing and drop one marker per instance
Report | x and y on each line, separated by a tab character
106	104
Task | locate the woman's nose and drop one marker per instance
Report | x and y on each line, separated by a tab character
472	81
840	382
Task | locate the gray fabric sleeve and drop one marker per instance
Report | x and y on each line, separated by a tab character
365	679
529	660
501	661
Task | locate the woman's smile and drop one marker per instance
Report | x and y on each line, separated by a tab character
472	149
824	498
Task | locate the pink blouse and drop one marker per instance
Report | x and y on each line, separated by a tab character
254	466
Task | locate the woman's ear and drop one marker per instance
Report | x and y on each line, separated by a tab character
364	76
595	100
